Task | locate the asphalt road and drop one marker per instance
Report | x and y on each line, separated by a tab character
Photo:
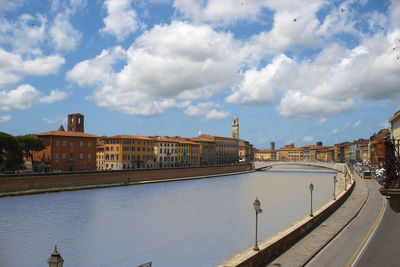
347	248
384	246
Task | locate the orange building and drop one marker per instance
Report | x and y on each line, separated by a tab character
377	148
67	151
122	152
73	150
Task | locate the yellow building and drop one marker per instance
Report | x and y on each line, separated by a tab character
207	151
291	153
266	154
123	152
100	157
395	128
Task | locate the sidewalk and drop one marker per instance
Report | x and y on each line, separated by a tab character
304	250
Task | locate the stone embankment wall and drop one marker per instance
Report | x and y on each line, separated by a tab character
18	183
283	241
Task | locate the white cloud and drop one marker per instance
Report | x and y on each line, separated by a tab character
322	121
164	68
55	95
121	20
13	67
207	109
5	118
356	124
255	87
25	96
296	104
59	120
64	36
308	139
335	131
25	35
6	5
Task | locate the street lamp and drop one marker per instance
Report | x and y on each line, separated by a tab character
311	189
55	260
334	187
256	205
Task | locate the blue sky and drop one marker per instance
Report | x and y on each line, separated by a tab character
292	71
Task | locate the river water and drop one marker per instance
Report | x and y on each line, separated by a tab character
186	223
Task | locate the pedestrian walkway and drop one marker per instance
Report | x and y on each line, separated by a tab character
305	249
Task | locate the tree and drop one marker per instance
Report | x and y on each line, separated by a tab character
30	144
10	153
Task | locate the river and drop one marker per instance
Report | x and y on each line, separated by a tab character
185	223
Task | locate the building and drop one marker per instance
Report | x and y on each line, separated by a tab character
227	149
189	151
395	129
207	151
123	152
265	154
291	153
71	150
100	153
342	152
377	148
166	152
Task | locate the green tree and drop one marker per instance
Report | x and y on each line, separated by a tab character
29	144
10	153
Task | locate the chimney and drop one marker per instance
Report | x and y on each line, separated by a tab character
319	143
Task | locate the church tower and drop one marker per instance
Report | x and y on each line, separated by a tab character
75	122
235	127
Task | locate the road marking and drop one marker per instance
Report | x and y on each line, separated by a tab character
368	236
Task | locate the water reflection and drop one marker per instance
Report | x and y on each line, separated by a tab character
187	223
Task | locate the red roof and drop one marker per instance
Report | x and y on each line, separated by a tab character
130	137
63	133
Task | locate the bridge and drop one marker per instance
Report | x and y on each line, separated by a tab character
265	165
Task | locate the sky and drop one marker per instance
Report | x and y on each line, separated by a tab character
292	71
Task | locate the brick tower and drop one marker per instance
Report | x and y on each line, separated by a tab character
75	122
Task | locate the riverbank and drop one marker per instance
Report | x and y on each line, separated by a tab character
19	185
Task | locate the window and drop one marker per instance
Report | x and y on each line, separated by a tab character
64	143
112	156
71	155
64	155
107	156
89	156
89	144
117	148
81	155
57	155
144	149
72	144
57	142
81	143
112	148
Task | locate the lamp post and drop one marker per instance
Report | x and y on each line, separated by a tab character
334	187
311	189
256	205
55	260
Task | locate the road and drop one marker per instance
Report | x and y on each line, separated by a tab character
367	240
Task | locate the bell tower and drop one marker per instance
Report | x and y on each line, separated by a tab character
75	122
235	127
